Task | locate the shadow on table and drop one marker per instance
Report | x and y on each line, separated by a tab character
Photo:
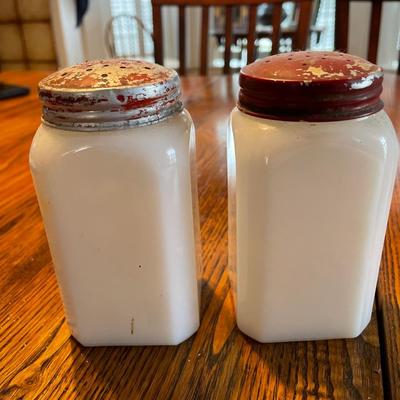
137	372
220	362
325	369
126	372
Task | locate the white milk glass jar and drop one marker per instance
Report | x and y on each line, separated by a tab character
312	159
113	167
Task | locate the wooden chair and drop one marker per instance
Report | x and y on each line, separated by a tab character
300	37
342	27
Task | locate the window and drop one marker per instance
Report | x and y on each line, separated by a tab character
326	22
131	39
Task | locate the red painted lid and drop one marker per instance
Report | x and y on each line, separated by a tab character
310	86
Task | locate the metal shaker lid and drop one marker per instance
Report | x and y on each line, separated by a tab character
310	86
109	94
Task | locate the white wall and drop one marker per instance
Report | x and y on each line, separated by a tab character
68	38
93	29
390	28
76	44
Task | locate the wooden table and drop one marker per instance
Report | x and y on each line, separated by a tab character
40	360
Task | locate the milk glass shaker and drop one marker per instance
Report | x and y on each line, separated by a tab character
312	159
113	167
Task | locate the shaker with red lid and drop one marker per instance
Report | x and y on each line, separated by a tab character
312	159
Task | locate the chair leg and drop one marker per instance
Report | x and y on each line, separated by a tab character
398	65
342	25
276	27
251	34
204	41
182	41
157	35
303	29
228	39
374	30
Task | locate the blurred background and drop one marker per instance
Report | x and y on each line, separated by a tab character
51	34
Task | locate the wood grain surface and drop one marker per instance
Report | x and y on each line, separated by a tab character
388	293
40	360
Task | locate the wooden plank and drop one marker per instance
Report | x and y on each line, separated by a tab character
374	29
251	35
228	39
276	27
157	34
204	40
182	40
388	294
342	25
38	357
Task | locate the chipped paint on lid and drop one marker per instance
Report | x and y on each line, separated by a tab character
313	86
109	94
312	66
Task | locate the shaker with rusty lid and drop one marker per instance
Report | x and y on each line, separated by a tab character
109	94
312	159
112	165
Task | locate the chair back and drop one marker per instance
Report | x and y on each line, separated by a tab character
300	37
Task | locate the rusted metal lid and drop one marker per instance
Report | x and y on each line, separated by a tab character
310	86
109	94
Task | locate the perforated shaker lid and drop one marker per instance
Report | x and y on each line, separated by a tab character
109	94
310	86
